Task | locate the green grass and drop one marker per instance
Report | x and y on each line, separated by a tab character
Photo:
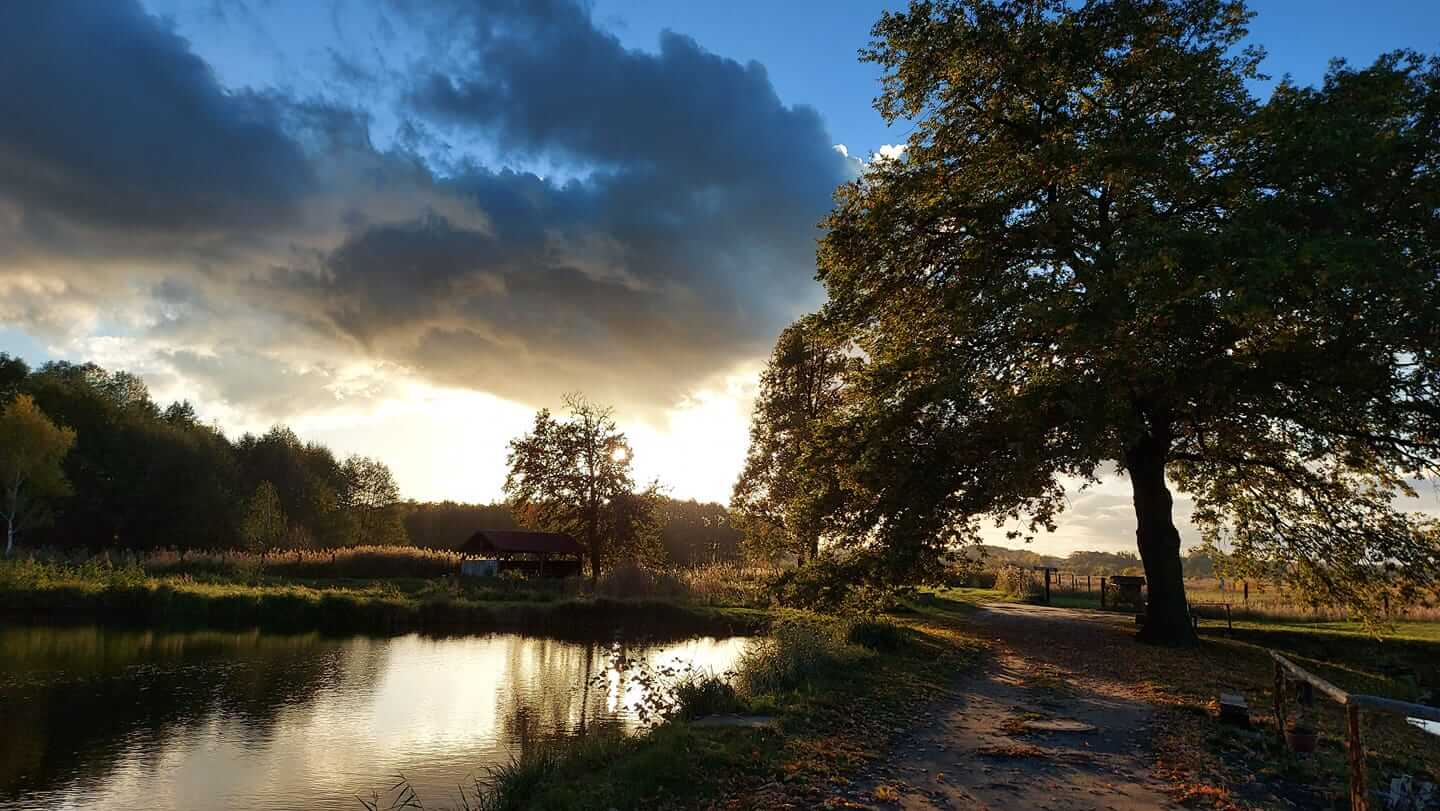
97	592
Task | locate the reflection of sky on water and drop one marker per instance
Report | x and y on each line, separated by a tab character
1433	727
310	724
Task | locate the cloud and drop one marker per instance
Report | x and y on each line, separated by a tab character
672	236
111	120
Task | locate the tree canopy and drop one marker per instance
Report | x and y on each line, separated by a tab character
145	477
1100	251
31	450
787	491
573	475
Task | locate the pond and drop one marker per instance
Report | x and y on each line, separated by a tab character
103	718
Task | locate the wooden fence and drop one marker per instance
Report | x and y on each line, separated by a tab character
1354	704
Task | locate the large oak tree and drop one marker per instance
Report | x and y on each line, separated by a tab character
1100	250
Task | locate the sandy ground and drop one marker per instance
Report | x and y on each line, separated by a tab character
1025	732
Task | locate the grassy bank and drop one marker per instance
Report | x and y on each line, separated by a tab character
127	594
834	692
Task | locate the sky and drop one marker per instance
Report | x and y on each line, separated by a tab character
401	226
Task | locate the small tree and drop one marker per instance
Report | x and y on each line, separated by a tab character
31	450
570	475
373	500
786	491
264	525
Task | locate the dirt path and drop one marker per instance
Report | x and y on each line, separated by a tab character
1036	728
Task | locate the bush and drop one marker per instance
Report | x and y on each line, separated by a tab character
797	652
876	635
704	695
631	581
1016	582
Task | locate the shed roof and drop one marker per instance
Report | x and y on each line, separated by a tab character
510	541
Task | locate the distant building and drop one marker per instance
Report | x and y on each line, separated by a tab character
490	552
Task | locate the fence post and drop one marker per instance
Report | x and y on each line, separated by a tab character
1047	585
1247	592
1356	754
1102	591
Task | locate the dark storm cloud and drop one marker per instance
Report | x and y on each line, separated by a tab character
545	81
107	117
676	241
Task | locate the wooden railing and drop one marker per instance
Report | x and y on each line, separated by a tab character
1353	703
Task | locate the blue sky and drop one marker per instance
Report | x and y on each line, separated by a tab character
808	47
400	226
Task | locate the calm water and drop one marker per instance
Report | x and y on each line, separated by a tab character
94	718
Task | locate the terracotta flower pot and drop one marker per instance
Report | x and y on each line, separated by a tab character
1301	739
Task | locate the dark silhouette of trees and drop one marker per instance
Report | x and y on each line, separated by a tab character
787	490
573	475
142	477
1099	250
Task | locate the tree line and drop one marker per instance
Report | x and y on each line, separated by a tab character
138	476
88	460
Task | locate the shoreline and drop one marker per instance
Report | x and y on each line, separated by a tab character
340	609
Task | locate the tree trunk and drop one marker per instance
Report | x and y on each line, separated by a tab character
1167	616
9	536
593	530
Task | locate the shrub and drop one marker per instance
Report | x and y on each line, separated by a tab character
631	581
1016	582
876	635
796	652
706	694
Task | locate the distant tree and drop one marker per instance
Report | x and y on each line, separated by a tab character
31	450
572	476
448	524
181	413
634	524
694	532
372	498
786	490
310	482
263	526
1099	250
13	372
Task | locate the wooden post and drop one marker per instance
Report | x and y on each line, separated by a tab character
1247	592
1280	703
1102	591
1088	589
1355	750
1047	586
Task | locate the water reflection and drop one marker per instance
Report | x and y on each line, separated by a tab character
104	718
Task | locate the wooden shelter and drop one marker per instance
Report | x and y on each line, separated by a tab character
545	554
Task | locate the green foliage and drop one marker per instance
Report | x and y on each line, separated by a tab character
1099	251
143	477
1015	581
848	584
876	635
798	651
263	526
573	476
785	493
31	450
372	499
